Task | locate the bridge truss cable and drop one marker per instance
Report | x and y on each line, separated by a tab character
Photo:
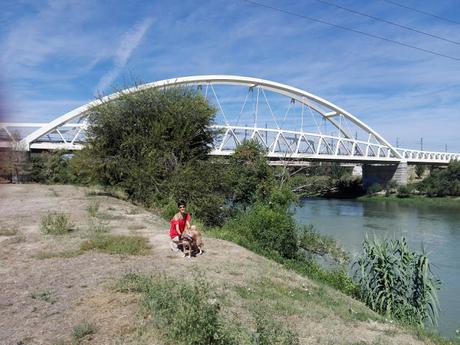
291	13
422	12
388	22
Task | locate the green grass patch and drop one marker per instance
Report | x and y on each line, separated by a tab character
123	245
186	312
56	223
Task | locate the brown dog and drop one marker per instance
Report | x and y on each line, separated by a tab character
192	242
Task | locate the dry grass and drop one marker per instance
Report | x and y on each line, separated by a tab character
8	230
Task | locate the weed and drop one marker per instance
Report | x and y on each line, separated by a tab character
8	230
55	223
93	207
184	313
123	245
98	226
44	295
82	330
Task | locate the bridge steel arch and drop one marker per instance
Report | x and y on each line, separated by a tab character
352	149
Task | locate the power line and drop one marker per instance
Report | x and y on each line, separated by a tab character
422	12
388	22
351	30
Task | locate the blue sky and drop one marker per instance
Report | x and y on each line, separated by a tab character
57	55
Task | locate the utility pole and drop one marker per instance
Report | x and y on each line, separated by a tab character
445	147
397	142
421	144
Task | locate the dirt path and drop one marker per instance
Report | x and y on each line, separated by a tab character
43	299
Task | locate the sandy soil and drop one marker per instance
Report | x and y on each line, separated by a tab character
42	300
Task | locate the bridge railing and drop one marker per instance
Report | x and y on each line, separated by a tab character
278	143
417	156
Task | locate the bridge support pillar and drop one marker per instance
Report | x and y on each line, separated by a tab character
384	173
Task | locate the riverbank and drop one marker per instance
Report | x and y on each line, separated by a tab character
453	202
52	290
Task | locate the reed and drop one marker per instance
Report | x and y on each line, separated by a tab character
397	282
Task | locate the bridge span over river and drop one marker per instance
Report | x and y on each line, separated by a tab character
292	124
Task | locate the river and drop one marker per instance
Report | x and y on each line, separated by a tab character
436	228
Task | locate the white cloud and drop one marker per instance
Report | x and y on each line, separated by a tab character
129	42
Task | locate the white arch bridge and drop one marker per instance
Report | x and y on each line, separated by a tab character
290	123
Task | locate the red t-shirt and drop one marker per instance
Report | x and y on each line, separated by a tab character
172	230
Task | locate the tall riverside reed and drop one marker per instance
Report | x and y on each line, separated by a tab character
397	282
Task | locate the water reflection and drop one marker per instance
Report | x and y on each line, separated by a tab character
435	228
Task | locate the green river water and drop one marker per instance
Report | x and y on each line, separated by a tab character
437	228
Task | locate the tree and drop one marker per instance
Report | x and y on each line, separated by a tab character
137	141
442	182
419	170
250	176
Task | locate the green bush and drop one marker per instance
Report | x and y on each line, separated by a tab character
403	192
397	282
374	188
270	227
316	243
55	223
442	182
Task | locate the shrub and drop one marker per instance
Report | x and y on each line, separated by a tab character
374	188
403	192
420	170
82	330
55	224
124	245
396	282
184	313
319	244
271	228
442	182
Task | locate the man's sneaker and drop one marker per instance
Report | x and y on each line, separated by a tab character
173	247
